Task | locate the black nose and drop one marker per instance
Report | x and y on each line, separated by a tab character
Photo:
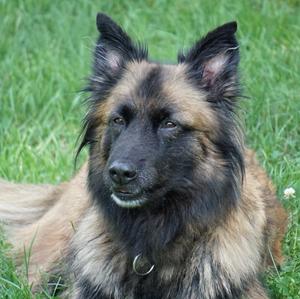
122	172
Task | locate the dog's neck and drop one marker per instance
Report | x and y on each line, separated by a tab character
145	232
163	235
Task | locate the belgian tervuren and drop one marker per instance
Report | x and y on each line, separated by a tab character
170	204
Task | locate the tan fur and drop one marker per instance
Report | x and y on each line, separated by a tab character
45	238
276	216
194	109
124	89
256	291
14	198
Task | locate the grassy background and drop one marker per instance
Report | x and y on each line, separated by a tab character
45	51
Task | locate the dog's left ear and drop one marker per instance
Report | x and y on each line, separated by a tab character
212	63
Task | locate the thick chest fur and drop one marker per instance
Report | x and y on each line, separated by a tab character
182	285
221	266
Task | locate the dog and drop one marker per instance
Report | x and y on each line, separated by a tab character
171	204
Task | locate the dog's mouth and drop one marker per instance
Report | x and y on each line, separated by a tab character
128	200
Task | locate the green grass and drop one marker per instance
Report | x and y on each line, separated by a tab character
45	51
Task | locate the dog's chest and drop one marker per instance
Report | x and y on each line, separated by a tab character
210	268
114	275
161	283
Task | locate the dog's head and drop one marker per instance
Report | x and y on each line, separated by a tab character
163	132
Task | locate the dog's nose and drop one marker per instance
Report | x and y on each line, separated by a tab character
122	172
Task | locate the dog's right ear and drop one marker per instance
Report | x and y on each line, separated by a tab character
114	47
113	51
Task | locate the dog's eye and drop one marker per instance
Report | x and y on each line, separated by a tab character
168	124
119	121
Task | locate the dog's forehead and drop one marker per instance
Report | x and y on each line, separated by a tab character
152	86
146	83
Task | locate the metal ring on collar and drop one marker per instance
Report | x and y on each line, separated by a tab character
134	266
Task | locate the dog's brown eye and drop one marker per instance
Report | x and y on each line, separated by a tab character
168	124
119	121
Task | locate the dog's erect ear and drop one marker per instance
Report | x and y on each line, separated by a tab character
114	46
213	61
113	50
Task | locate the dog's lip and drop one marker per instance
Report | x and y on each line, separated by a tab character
125	193
128	201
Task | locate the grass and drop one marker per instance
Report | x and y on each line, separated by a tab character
45	51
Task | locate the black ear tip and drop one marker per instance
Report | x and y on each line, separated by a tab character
231	27
102	20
